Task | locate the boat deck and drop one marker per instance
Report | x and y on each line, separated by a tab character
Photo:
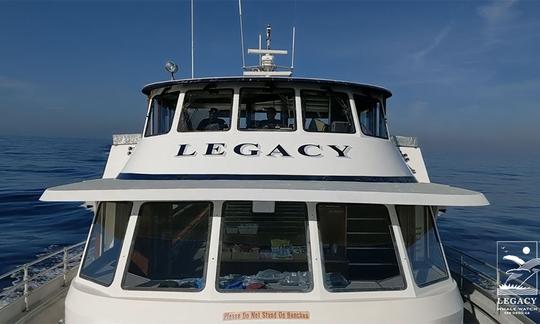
50	312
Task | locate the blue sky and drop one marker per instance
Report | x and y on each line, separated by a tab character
462	72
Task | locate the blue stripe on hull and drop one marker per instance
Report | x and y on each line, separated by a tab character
140	176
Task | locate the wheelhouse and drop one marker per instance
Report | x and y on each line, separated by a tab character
268	104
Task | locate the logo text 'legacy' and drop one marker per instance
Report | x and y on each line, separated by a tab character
254	149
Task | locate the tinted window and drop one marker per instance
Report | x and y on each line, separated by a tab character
326	111
105	242
371	115
358	248
161	113
206	110
423	245
267	109
169	248
264	251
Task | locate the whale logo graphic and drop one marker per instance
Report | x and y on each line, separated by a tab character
518	265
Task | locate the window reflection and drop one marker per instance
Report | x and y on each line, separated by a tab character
358	248
206	110
105	242
423	246
169	247
161	113
371	115
267	109
327	111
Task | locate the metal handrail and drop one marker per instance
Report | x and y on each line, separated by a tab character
475	270
68	262
464	265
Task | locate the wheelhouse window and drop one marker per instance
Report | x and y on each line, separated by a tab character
371	115
326	111
423	245
161	113
170	246
264	249
105	243
358	248
267	109
206	110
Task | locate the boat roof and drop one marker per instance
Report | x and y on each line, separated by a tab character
429	194
369	87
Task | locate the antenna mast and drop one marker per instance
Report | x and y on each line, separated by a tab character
292	54
241	33
266	66
192	45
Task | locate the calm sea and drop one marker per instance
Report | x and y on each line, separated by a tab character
29	227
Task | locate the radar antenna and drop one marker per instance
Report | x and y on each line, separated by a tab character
266	66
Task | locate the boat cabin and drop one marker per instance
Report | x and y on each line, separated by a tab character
264	199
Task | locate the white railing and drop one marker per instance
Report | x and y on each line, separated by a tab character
484	277
30	276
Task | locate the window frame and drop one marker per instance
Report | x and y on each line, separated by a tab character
394	245
207	253
181	111
83	258
309	258
439	243
382	109
295	109
149	110
345	92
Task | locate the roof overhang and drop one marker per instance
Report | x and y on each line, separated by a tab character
310	191
250	79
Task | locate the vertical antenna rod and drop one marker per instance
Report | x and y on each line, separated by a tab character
241	33
292	54
268	32
192	45
260	44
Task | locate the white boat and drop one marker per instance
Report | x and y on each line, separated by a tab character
262	198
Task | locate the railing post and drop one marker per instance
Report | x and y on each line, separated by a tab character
497	288
65	261
25	293
461	272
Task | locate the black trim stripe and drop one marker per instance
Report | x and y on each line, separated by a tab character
141	176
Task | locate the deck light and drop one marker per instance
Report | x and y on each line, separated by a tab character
171	67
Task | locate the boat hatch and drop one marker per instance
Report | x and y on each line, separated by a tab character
308	191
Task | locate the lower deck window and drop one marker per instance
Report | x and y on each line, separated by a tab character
105	243
169	247
264	250
422	243
358	248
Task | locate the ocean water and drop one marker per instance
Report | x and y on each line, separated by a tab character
30	228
